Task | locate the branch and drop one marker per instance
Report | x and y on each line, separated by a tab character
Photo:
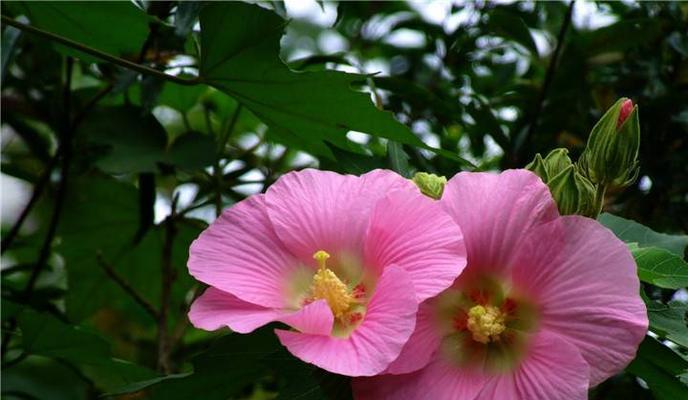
549	77
45	178
65	150
167	276
37	191
99	54
124	285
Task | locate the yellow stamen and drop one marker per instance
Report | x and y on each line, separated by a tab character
326	285
486	323
321	256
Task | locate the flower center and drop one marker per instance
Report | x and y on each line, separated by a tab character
327	286
486	323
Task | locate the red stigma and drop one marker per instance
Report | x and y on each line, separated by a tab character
359	291
626	109
355	317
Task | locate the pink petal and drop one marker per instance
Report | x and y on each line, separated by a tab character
240	254
585	281
421	346
439	380
215	309
375	343
320	210
315	318
412	231
495	210
553	370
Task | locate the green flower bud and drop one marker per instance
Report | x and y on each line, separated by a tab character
538	167
430	185
556	161
573	193
611	156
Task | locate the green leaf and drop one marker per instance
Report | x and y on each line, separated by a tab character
623	35
98	227
661	368
633	232
234	363
511	27
117	27
221	372
127	140
180	97
398	159
660	267
45	335
42	378
240	56
669	320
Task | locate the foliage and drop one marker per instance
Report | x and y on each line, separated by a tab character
134	127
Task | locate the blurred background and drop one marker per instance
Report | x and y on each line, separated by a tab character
151	162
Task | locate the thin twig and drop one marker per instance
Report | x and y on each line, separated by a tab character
99	54
222	143
167	278
65	149
184	323
549	77
124	285
37	191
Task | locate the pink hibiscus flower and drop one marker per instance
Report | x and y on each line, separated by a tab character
547	307
343	260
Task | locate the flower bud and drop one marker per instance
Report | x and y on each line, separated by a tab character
611	155
556	161
626	109
573	193
430	185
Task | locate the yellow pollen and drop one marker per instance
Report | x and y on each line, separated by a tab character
486	323
326	285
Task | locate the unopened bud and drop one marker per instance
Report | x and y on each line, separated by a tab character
430	185
626	109
556	161
573	193
611	155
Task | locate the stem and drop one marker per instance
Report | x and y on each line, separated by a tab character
37	191
599	198
99	54
166	292
65	149
110	271
549	77
217	172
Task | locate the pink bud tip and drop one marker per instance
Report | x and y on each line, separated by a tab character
626	109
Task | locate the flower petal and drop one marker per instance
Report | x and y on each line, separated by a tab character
495	210
553	369
412	231
240	254
439	380
315	318
585	281
215	309
320	210
421	346
387	325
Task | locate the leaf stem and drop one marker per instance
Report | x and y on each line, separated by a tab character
167	275
549	77
112	274
65	150
37	191
99	54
